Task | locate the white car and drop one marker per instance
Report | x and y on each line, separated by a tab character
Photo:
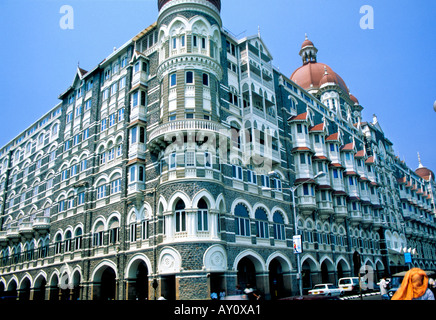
326	289
350	284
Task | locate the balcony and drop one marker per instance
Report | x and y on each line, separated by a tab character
325	209
41	224
13	233
356	218
3	238
306	205
26	229
367	220
341	213
163	135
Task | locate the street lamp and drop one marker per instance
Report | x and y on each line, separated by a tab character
292	190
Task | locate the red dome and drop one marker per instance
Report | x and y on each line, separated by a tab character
307	43
216	3
309	76
354	99
425	173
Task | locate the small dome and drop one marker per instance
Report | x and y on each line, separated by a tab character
327	78
424	172
216	3
354	99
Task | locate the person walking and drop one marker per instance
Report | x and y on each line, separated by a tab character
414	286
384	289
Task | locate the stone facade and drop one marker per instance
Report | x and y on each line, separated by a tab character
167	170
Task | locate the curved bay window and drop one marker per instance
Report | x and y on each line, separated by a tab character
180	216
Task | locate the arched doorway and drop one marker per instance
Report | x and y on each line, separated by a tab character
246	273
309	274
276	280
107	285
25	290
39	289
54	288
2	289
12	290
75	295
140	283
327	272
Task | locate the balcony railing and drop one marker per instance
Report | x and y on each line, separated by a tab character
168	130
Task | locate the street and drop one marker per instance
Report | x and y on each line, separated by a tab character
365	296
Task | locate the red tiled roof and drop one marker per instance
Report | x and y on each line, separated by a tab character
317	128
299	117
333	137
348	147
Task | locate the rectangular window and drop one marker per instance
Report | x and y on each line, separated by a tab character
65	174
103	124
81	198
133	174
114	88
111	154
173	80
205	79
112	118
116	186
88	104
135	97
190	159
208	160
237	172
133	135
86	134
202	220
189	77
69	117
172	161
120	115
101	192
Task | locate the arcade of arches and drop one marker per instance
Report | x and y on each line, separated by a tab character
275	277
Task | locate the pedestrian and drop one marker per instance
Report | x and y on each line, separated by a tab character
384	289
251	295
414	286
214	296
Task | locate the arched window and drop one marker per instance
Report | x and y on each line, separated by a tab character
133	228
279	226
180	216
262	226
242	221
78	239
58	244
17	253
114	230
68	243
97	239
202	216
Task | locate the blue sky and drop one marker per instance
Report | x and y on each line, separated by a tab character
390	69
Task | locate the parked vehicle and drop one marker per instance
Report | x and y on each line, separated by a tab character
349	284
326	289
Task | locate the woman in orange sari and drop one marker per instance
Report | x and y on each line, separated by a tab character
414	286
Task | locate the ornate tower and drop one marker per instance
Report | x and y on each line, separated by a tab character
184	137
